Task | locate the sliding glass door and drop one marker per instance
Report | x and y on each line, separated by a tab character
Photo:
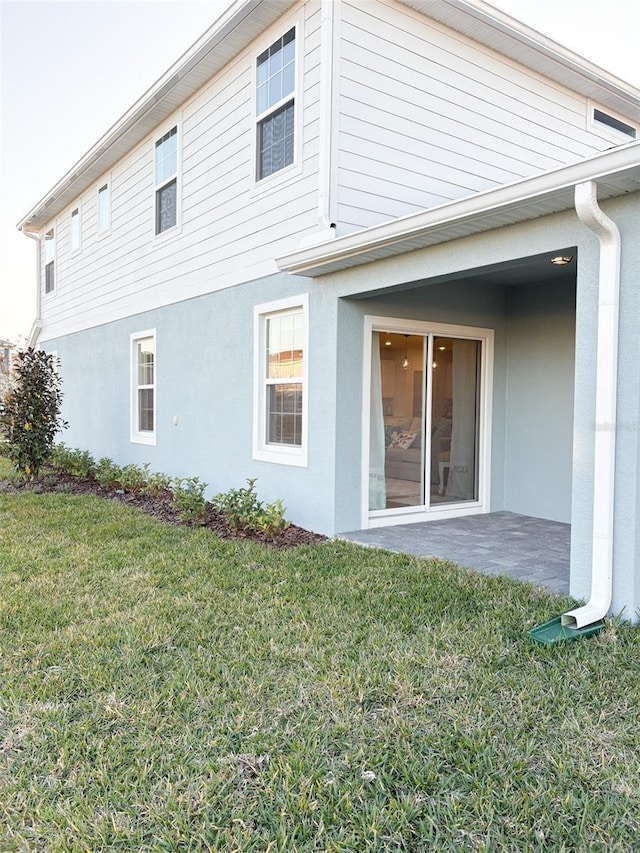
424	420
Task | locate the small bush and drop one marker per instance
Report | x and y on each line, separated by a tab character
188	497
156	485
60	459
78	463
107	473
30	414
133	478
243	511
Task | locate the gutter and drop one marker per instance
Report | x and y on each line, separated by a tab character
608	234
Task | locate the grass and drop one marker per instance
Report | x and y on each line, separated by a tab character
163	690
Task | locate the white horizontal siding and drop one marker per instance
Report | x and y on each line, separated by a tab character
456	116
230	228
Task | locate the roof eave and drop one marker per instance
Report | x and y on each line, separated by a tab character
529	198
236	28
512	38
246	19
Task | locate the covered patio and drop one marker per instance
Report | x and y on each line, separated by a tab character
532	550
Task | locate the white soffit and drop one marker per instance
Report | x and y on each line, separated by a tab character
490	26
235	30
616	172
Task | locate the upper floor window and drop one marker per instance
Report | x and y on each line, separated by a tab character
166	181
75	229
275	110
143	387
49	261
104	209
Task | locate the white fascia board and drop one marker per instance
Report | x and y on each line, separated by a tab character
520	197
158	102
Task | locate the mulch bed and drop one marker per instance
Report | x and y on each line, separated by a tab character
162	508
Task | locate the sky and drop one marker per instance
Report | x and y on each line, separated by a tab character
70	68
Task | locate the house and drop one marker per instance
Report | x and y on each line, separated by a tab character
380	254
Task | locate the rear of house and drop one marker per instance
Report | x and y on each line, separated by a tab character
337	248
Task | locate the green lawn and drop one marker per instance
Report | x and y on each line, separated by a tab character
162	690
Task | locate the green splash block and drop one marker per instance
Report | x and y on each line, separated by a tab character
554	632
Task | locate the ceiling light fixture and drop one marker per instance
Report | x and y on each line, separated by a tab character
561	260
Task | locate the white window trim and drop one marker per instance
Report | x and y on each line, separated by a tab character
77	249
157	135
293	169
281	454
410	515
136	435
102	232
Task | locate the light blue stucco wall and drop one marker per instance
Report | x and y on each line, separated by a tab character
204	377
538	448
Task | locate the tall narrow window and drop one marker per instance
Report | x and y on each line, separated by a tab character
75	229
283	377
275	90
166	180
281	397
49	261
143	388
104	209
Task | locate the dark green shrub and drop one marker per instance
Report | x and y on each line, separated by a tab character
243	511
30	414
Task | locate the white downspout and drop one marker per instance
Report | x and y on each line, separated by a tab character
37	323
586	202
325	160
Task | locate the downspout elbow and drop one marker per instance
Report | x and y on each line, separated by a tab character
591	215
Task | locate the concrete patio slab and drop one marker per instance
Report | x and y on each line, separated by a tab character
532	550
